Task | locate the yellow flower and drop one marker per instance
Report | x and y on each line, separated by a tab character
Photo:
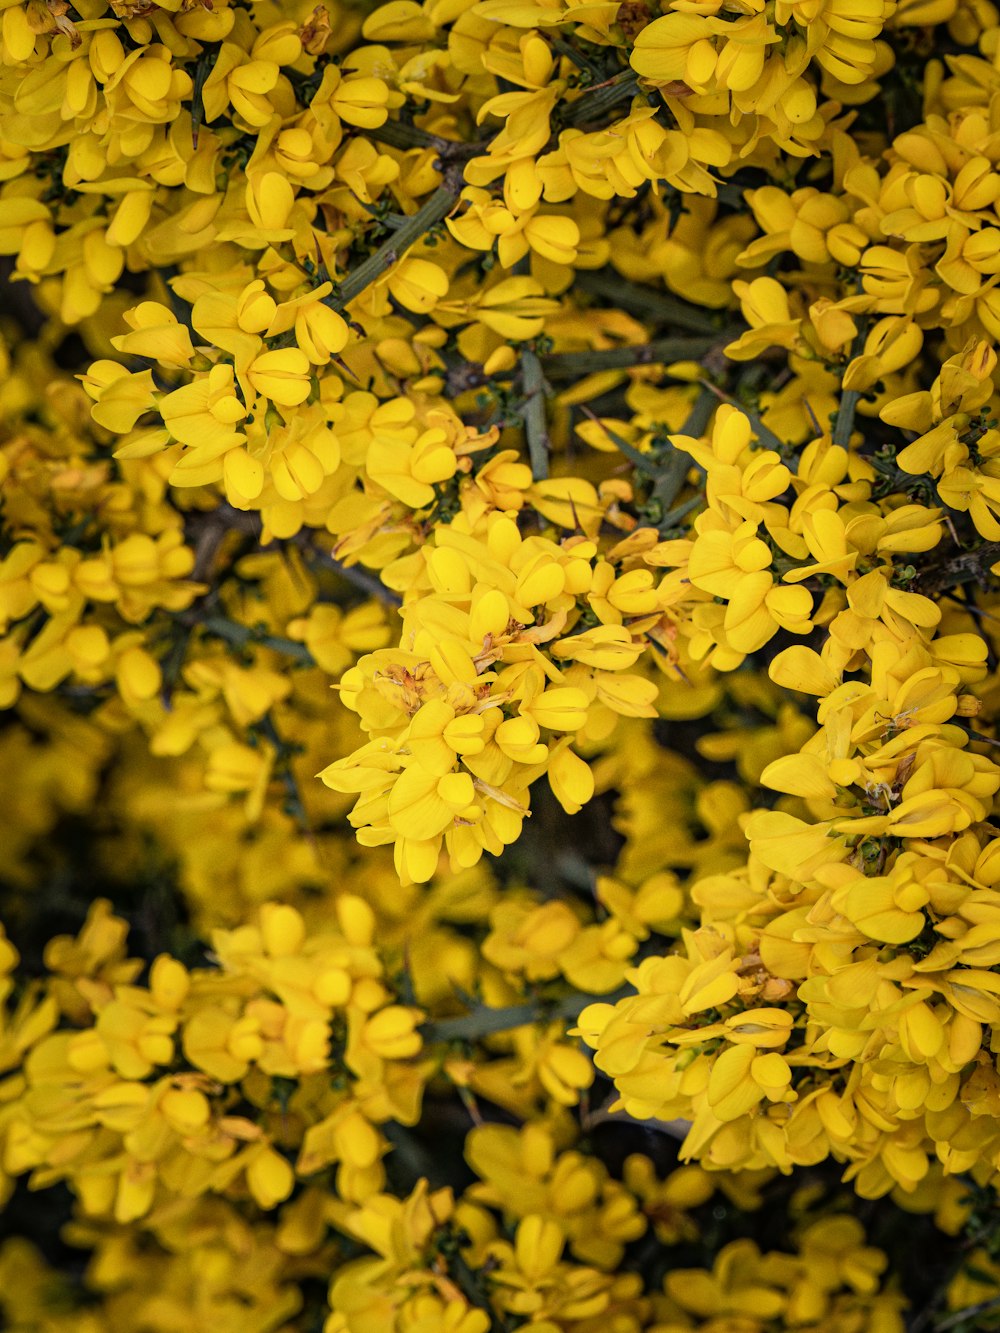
283	376
156	334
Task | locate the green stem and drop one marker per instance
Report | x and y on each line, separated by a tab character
670	521
242	635
700	414
671	477
533	415
400	134
390	221
845	417
643	463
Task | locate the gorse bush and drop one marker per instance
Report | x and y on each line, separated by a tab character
500	502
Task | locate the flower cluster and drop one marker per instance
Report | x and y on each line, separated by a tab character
499	528
142	1102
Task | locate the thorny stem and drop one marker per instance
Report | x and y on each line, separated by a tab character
484	1022
204	67
569	365
647	464
362	579
180	307
674	470
593	103
242	635
659	352
171	665
925	1318
849	398
603	1114
668	473
17	302
400	134
992	1306
465	1280
763	433
294	804
571	53
964	567
434	209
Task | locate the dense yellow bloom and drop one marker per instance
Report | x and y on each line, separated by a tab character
499	505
